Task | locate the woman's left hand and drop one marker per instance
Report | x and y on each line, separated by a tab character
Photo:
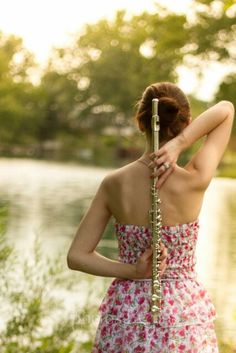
164	161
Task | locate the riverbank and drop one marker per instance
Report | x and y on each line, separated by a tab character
102	156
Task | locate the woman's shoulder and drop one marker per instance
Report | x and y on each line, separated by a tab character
182	179
119	172
190	177
181	175
117	175
131	169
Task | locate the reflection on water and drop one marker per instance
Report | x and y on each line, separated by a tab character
48	199
45	199
218	252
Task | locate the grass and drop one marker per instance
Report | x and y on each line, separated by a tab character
34	315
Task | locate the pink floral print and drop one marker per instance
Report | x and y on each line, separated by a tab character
186	321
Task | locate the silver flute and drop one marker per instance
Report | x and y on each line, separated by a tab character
155	221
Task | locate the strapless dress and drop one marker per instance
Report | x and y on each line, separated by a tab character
186	320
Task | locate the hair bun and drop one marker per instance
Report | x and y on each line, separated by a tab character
173	110
168	110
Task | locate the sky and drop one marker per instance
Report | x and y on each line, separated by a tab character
46	23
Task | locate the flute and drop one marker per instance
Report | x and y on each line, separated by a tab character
155	221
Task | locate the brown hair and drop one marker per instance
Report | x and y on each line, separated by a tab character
173	109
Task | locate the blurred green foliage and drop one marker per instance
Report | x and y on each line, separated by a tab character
83	106
34	289
213	32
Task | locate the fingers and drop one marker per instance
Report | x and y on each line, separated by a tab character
163	259
147	253
162	246
161	168
160	171
157	154
163	254
163	177
146	258
157	161
162	268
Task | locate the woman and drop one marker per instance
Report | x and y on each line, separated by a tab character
186	321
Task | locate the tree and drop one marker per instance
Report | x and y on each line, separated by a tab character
227	91
15	91
56	101
213	30
113	61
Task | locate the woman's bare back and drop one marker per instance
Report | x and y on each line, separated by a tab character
129	197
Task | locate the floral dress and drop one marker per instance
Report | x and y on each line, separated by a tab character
186	320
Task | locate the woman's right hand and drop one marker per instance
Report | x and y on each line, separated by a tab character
143	267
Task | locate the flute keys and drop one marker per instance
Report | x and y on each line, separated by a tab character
154	309
156	285
156	288
155	297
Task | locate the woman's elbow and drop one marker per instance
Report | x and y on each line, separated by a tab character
228	105
72	261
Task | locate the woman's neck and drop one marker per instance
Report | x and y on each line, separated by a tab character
148	149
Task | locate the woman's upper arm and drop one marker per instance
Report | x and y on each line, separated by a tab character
93	223
206	159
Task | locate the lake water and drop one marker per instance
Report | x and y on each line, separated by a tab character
47	199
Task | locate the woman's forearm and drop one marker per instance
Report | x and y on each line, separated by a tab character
98	265
205	123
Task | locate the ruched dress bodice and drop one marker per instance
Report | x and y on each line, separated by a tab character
180	241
